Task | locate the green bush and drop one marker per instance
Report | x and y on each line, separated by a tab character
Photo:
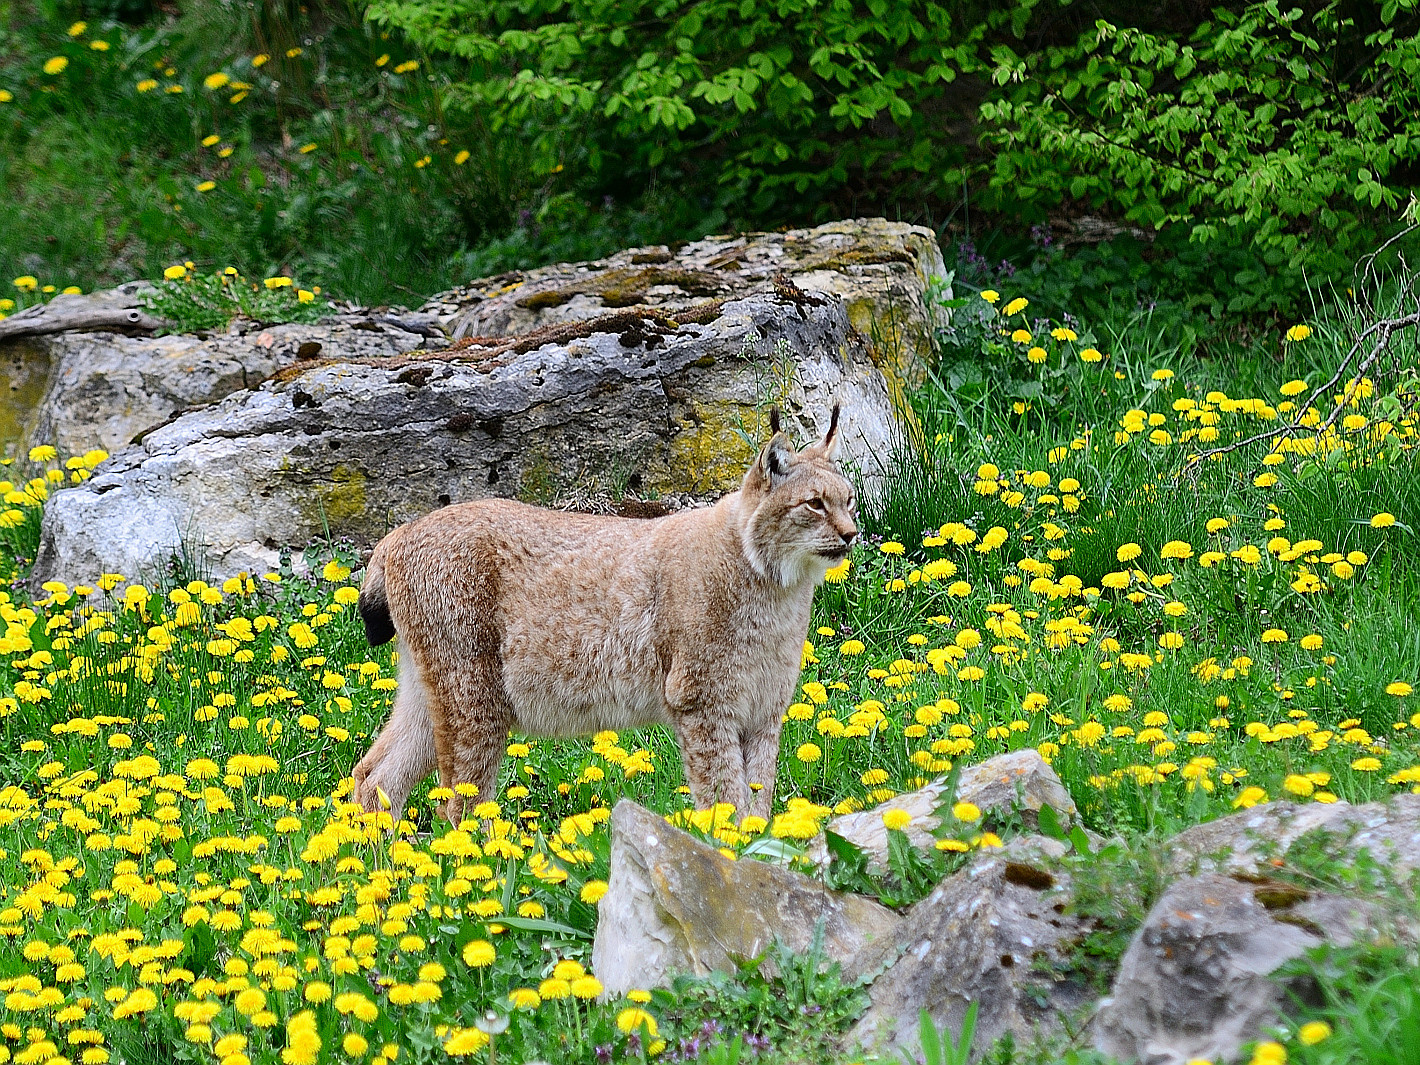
1292	131
1285	140
769	102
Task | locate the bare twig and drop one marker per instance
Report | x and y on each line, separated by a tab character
1385	328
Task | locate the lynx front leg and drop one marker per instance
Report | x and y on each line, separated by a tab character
404	753
714	764
708	736
760	747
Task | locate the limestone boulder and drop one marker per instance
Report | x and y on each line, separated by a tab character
85	371
1247	841
998	933
1018	780
888	276
1196	982
675	905
631	403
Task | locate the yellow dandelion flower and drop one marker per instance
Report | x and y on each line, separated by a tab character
897	819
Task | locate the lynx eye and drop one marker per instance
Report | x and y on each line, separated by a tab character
816	505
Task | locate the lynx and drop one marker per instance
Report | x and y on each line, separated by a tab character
547	623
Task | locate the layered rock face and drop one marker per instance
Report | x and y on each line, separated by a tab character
84	373
649	374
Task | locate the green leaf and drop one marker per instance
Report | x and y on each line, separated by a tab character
538	924
1080	840
1050	825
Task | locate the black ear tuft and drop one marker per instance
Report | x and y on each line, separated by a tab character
833	424
773	421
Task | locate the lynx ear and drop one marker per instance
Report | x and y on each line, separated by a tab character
776	458
830	438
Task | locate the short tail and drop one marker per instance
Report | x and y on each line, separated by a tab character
374	606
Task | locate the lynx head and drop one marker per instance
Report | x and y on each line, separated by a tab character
799	511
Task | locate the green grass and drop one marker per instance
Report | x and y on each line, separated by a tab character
176	759
337	166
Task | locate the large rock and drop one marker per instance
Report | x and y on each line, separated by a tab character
882	271
1248	841
1019	780
675	905
630	401
1196	981
82	374
994	934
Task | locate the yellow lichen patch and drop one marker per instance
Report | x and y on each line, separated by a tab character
343	497
709	454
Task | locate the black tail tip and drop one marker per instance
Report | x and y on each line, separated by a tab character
379	626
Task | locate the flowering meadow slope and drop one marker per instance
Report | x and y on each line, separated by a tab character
184	880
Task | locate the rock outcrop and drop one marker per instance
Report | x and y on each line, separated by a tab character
647	374
676	905
1247	841
1018	781
994	934
1195	983
1017	930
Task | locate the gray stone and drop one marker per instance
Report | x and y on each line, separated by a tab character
996	934
1196	980
882	271
104	389
675	905
630	400
1247	841
1020	780
112	310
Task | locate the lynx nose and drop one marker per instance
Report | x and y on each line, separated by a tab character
848	537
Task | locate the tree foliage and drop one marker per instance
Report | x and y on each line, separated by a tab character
771	100
1294	131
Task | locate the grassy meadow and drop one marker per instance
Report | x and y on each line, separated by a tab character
1056	567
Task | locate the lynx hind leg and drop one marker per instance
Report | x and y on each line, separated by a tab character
761	756
404	753
471	721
